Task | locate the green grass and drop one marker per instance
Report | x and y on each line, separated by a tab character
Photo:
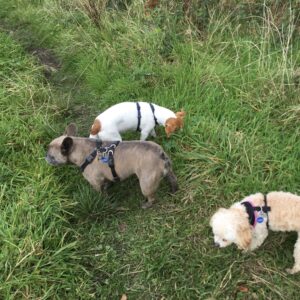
236	78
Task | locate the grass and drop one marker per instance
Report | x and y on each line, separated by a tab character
236	78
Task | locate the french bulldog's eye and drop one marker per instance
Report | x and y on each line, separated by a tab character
224	240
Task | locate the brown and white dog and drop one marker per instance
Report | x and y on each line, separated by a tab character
146	160
246	223
138	116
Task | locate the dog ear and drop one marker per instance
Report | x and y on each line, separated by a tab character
96	127
179	122
244	236
180	114
66	145
220	210
71	130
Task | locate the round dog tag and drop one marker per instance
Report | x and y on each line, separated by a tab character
104	159
260	219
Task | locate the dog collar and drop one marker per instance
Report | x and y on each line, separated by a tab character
89	159
253	210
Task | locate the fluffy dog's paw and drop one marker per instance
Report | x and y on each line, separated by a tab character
292	271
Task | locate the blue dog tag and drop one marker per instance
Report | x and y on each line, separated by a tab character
104	159
260	219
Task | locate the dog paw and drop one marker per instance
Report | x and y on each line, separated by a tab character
147	205
292	271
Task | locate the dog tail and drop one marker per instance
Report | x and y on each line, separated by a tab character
168	173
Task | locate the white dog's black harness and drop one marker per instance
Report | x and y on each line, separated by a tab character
139	115
250	209
106	155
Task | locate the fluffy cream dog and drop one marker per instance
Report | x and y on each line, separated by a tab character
139	116
246	223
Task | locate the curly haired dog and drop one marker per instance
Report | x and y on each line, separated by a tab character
246	223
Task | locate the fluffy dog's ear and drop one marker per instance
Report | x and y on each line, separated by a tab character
220	210
244	236
96	127
71	130
66	145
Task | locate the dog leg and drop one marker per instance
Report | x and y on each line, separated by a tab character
153	133
258	237
144	134
149	203
296	267
98	184
149	184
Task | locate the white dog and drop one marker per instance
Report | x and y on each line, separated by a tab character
246	223
140	116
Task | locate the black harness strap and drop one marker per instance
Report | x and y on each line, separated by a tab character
138	107
153	109
266	209
111	161
251	210
107	156
89	159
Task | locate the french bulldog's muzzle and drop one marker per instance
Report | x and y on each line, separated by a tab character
51	160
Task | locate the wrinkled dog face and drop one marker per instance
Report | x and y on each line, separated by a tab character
54	155
61	147
58	151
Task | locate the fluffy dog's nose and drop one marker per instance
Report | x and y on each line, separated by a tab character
217	244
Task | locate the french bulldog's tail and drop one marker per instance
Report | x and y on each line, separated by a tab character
169	174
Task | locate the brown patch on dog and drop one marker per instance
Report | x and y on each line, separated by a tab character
180	114
172	124
244	235
96	127
151	4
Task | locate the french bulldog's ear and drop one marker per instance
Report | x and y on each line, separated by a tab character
66	145
71	130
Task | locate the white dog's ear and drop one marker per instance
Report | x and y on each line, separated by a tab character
71	130
66	146
244	235
220	210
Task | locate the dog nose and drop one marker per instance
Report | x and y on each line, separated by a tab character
49	157
217	244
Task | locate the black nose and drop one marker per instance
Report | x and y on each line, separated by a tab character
217	244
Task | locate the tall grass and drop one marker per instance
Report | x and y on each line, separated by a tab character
233	68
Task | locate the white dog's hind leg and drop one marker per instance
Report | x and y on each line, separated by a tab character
153	133
144	134
296	267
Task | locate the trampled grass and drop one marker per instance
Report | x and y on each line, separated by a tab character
237	79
